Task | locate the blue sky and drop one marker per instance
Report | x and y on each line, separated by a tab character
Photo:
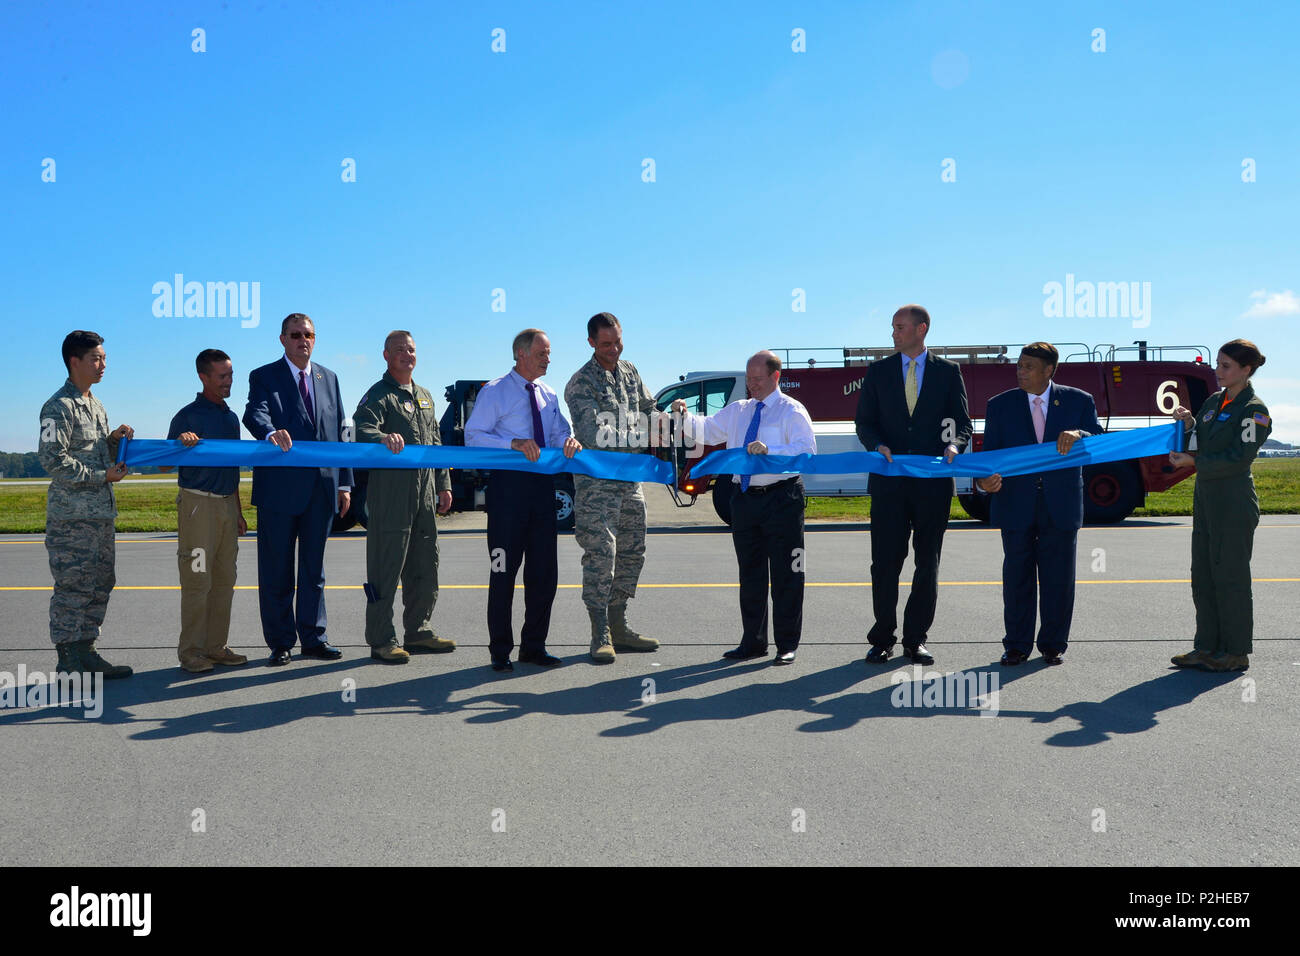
522	170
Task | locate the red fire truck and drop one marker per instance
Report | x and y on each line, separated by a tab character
1134	386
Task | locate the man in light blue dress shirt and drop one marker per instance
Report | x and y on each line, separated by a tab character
517	411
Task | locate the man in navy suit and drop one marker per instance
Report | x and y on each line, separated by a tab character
291	400
912	403
1040	515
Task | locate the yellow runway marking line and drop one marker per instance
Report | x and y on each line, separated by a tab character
478	536
726	584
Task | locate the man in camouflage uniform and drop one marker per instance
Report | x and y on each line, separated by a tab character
78	451
401	532
606	401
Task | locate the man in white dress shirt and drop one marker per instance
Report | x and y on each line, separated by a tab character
767	514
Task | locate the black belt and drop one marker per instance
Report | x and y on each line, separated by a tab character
764	489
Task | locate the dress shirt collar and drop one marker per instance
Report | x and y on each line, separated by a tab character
523	382
295	370
920	359
1047	394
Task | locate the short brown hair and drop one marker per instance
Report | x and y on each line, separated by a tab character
1244	352
524	341
770	359
915	313
602	320
294	317
1042	350
397	334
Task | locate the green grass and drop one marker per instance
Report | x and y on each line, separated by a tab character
1277	482
140	507
150	507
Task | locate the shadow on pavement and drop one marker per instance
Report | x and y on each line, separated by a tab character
820	694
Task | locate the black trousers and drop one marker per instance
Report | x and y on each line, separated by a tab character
915	508
767	531
521	530
1038	561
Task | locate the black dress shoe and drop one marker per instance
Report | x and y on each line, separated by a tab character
323	651
503	665
918	654
878	655
785	657
1013	658
743	653
1052	658
277	659
538	657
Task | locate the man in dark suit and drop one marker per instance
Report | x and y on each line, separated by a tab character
912	403
293	399
1039	514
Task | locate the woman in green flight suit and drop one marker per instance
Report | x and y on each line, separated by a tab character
1229	430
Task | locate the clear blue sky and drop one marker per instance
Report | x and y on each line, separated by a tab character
522	171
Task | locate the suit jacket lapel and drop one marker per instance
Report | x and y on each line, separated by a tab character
894	373
291	378
317	387
929	384
1027	417
1051	429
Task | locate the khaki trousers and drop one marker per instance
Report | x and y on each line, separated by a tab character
207	544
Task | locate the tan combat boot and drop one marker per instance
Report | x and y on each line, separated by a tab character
389	654
428	644
626	639
602	648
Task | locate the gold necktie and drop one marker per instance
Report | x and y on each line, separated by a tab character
909	387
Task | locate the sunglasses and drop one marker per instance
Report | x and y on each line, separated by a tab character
302	335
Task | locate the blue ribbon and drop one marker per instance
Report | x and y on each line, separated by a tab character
220	453
1021	460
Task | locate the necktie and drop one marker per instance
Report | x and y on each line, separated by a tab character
751	434
909	387
1040	420
539	435
306	396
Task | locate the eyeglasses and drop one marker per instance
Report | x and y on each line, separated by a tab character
302	335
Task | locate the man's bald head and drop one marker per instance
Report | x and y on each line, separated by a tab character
762	373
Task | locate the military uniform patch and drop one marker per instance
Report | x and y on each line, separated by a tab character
1261	419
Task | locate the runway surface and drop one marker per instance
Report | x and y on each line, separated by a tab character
673	757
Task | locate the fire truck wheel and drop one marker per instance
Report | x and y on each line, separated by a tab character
977	506
1110	492
565	517
724	490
